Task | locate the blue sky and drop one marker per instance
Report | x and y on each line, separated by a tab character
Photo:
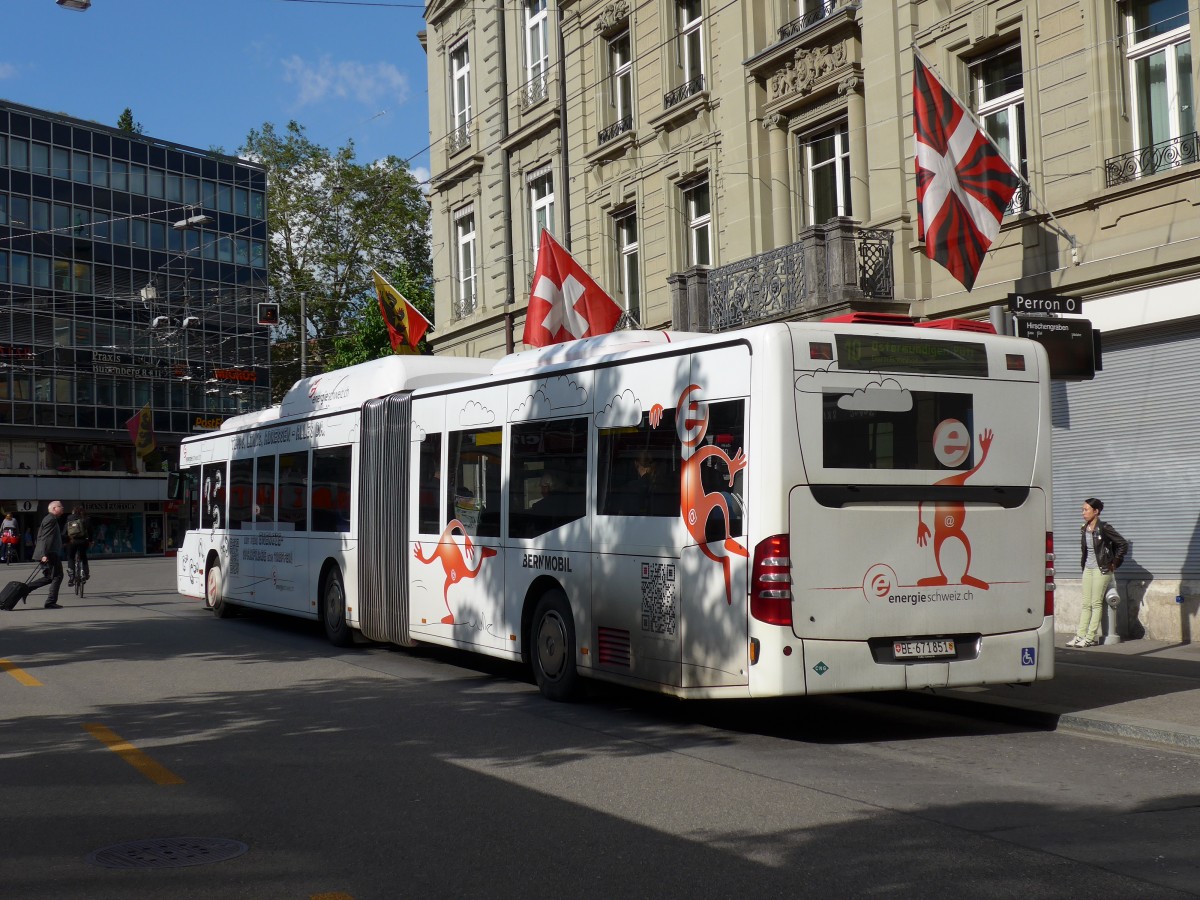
204	72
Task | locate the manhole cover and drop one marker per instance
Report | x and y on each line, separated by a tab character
167	853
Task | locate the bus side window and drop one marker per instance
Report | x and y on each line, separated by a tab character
191	495
638	469
330	495
429	469
293	491
549	462
212	495
264	491
727	432
241	486
473	488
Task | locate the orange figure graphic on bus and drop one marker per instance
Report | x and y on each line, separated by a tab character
952	444
455	560
696	505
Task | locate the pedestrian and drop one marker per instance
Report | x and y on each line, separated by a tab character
49	551
78	540
10	539
1103	552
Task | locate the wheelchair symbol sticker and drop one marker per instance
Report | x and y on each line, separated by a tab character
1028	656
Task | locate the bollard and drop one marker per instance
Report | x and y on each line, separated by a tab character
1112	603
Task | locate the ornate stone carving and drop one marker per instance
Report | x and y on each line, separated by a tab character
612	16
849	85
773	121
807	67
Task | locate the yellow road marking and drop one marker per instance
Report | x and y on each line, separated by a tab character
132	755
20	674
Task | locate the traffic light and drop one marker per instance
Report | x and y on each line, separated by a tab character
268	314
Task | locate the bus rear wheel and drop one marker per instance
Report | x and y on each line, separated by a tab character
214	592
552	637
333	610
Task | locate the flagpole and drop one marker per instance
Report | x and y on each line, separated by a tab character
1054	224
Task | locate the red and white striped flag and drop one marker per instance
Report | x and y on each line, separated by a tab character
963	183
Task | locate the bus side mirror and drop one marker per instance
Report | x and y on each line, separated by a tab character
176	482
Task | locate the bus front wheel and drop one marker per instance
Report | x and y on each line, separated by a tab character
553	640
333	610
214	591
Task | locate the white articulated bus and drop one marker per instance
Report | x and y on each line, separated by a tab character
795	508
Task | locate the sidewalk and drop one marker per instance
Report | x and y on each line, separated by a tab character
1145	690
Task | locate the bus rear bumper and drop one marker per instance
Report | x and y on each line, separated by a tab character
1010	658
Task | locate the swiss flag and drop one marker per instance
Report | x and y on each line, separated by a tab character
963	183
565	303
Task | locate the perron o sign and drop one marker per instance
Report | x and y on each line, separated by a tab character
1041	304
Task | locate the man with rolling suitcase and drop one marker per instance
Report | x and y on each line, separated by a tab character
49	551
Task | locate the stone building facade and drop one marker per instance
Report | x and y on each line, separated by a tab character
719	164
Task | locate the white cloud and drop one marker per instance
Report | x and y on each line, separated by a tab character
624	410
329	79
884	396
7	70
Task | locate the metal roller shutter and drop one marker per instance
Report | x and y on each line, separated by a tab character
1130	437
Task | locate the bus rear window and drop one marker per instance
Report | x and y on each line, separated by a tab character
933	431
918	356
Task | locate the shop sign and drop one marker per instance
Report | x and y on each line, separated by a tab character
240	375
95	507
26	505
210	423
116	364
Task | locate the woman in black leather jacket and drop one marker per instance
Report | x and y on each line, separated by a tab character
1103	551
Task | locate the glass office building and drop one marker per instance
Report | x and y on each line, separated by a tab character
130	273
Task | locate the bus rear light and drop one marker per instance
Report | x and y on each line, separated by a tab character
771	581
1048	609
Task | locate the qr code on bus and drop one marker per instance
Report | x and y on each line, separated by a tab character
659	610
234	556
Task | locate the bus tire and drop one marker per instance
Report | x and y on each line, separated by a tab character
333	609
552	639
214	591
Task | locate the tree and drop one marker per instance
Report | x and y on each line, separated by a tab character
125	122
331	220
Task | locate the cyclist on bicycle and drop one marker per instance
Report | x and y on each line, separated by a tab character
9	539
78	541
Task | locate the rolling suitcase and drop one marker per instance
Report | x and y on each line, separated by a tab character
16	591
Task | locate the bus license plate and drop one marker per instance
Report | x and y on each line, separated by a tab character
922	649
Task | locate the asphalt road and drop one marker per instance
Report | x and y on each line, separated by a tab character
134	718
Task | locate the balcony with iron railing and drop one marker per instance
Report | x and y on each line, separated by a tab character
831	265
534	91
1160	157
459	139
616	129
806	21
685	90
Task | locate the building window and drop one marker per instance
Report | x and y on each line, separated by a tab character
626	228
537	53
698	210
460	94
998	96
621	85
825	157
691	40
464	229
541	207
1160	64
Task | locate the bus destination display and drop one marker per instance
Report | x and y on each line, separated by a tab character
870	353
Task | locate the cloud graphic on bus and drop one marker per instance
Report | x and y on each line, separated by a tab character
552	394
623	411
810	382
475	413
883	396
416	432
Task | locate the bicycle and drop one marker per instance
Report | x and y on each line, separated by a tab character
78	584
